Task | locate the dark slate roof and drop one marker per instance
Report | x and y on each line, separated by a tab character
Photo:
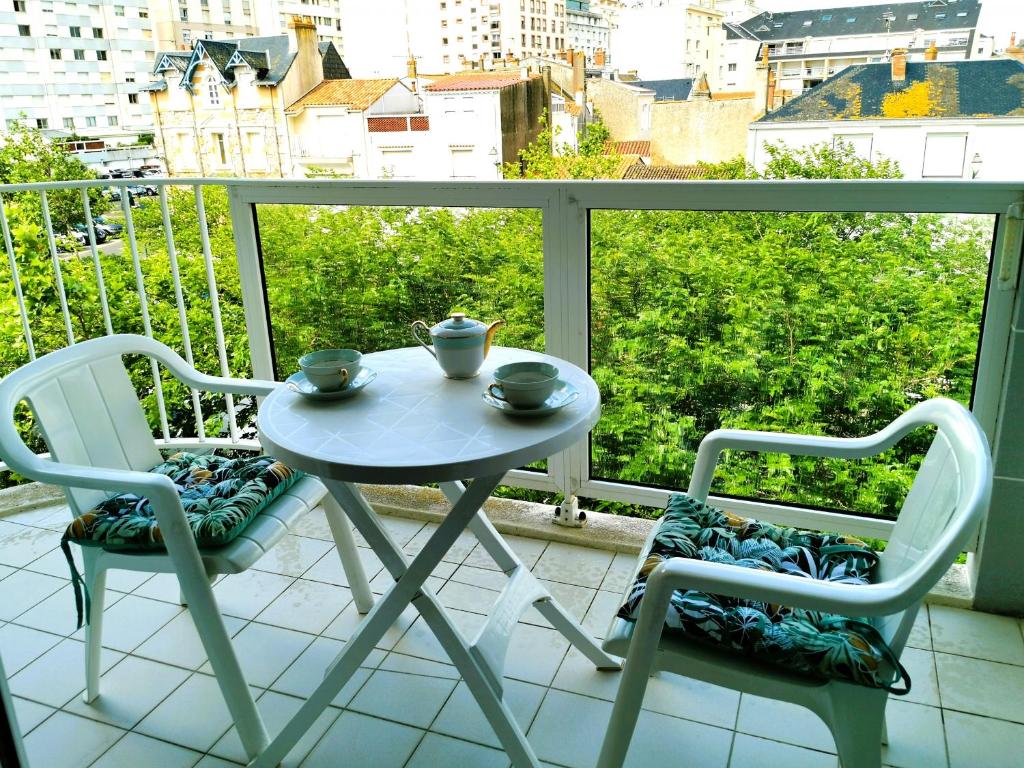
173	59
867	20
279	57
255	60
334	67
668	90
932	89
738	32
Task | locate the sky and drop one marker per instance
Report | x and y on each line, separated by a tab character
998	17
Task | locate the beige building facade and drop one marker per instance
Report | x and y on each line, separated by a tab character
219	110
179	23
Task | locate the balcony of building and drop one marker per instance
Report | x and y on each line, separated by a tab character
220	276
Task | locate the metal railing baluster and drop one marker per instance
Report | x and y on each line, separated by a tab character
100	284
172	255
9	246
218	327
61	294
140	284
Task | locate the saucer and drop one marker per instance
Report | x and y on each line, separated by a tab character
299	384
561	397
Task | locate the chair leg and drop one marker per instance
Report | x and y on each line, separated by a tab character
95	578
626	711
341	529
857	723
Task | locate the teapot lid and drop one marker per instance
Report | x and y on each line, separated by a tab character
458	326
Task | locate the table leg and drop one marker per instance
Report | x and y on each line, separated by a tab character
512	566
409	580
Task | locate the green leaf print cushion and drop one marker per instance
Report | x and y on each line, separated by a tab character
220	496
810	642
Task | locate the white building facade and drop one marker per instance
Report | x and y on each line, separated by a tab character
670	39
272	18
807	47
446	36
936	120
76	67
176	23
588	31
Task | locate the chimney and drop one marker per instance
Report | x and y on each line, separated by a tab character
579	60
599	57
899	65
770	100
932	54
702	90
308	64
1013	39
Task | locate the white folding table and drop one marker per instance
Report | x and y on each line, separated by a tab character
412	425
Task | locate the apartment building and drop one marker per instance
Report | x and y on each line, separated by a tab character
273	16
670	39
447	36
806	47
75	66
177	23
588	30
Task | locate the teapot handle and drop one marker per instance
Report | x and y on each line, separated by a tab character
415	326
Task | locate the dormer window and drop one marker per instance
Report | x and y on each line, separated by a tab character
212	93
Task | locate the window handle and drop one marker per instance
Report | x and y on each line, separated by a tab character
1013	240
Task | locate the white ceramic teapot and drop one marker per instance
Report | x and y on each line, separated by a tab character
459	343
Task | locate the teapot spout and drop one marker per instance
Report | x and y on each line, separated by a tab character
490	334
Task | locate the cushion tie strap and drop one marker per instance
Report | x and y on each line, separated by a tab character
77	583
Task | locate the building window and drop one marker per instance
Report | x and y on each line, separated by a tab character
79	54
119	10
112	120
129	78
12	124
184	14
219	149
69	123
90	122
133	98
42	122
19	7
24	30
212	93
143	14
101	55
732	67
944	155
97	32
55	53
75	31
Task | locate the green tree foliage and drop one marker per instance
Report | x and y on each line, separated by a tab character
548	158
828	323
27	156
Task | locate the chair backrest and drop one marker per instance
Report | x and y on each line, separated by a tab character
87	411
945	504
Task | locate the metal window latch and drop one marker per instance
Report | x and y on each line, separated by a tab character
1010	253
568	513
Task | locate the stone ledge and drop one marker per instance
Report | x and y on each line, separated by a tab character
19	498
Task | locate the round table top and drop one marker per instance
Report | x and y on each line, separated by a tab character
413	425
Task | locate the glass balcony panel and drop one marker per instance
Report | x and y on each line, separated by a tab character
818	323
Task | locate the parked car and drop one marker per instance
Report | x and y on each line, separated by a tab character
81	229
71	241
113	227
113	193
143	190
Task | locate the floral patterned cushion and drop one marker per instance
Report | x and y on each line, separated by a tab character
818	644
220	496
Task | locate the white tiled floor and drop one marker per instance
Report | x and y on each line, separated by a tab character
406	707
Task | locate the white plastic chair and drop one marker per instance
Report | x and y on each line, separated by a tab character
940	514
100	443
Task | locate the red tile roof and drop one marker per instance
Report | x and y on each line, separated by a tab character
641	148
662	172
483	81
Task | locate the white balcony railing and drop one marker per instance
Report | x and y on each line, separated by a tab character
565	209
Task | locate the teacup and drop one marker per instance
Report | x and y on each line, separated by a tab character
331	369
524	385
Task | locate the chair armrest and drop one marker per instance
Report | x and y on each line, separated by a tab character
879	599
802	445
